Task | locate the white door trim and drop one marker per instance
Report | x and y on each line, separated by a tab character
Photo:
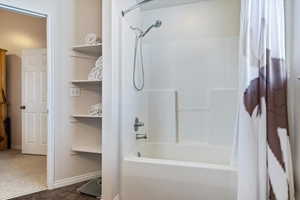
50	79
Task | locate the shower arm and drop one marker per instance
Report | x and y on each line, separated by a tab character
124	12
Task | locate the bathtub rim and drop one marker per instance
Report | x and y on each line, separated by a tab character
166	162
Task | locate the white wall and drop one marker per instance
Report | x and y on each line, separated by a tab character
21	31
17	33
294	26
63	35
68	133
195	53
111	89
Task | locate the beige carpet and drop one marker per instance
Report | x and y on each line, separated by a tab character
21	174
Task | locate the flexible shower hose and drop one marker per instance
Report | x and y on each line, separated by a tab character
138	44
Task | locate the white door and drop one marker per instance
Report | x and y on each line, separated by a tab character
34	101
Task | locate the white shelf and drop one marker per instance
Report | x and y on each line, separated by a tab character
85	82
94	50
166	3
87	116
87	149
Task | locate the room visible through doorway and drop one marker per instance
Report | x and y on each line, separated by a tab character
23	104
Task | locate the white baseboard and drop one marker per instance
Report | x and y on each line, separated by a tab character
117	197
75	179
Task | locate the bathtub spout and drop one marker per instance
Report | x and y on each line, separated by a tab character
141	137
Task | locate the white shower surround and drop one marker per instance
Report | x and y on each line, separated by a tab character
195	54
192	162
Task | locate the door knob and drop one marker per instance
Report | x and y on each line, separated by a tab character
22	107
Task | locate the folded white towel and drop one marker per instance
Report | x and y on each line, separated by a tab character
91	38
95	73
95	110
99	62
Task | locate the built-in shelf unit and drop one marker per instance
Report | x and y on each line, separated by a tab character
85	92
94	52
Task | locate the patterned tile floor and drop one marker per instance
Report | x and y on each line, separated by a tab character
21	174
65	193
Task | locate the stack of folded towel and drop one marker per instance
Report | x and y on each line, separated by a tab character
96	73
95	110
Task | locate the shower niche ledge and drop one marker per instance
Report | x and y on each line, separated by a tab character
155	4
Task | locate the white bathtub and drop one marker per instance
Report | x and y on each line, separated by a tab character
179	172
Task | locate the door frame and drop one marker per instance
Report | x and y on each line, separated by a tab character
50	81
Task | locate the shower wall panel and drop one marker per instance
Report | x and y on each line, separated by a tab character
195	53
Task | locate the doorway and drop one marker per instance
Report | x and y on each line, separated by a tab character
24	113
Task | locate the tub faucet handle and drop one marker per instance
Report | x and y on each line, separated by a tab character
138	124
141	137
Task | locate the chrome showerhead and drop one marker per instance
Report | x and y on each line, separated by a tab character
157	24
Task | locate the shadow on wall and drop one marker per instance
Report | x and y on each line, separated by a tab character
14	94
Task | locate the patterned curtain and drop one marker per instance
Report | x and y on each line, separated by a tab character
3	103
263	146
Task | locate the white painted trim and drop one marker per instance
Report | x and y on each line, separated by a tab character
50	59
21	10
76	179
51	107
111	145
